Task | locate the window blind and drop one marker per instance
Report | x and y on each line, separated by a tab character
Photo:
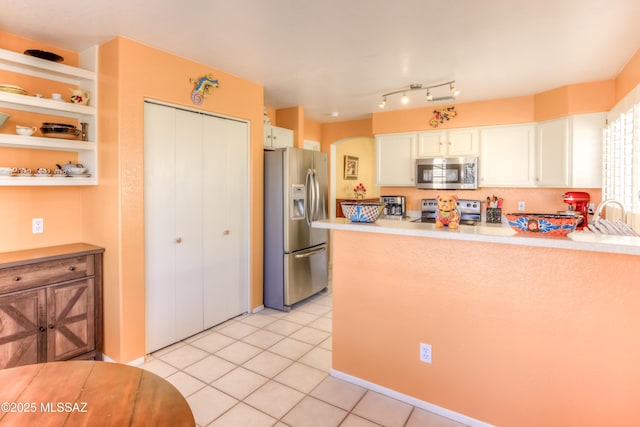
621	159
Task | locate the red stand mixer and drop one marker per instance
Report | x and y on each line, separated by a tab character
578	202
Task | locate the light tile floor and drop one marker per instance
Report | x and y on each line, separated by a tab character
271	368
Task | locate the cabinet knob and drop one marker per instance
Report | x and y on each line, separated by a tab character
226	232
179	240
51	325
72	268
42	329
17	279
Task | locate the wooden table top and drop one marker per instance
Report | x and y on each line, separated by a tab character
89	393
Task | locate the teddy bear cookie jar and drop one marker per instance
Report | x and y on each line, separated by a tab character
447	213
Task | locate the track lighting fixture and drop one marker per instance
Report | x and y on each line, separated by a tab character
453	92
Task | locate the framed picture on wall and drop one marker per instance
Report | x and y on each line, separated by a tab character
350	167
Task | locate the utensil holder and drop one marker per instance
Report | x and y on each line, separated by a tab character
494	215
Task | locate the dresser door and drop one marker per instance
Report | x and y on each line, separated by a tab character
22	333
70	320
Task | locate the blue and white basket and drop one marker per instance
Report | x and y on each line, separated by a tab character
362	211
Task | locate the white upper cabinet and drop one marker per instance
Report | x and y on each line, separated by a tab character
454	142
83	78
569	151
277	137
552	153
311	145
395	158
587	136
507	156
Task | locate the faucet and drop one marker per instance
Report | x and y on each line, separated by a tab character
604	203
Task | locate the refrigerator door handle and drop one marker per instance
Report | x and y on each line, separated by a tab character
316	183
309	190
310	253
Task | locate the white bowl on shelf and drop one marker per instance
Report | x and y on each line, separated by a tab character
26	130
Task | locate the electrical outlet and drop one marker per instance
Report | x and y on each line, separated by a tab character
521	206
425	352
37	225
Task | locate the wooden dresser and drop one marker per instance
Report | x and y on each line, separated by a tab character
50	304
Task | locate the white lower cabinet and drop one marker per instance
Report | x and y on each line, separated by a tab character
396	159
507	156
196	222
569	151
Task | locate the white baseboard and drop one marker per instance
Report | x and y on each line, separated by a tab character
137	362
455	416
258	308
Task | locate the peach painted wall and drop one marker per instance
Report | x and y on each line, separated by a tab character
575	99
628	78
131	72
333	132
312	130
521	336
483	113
292	118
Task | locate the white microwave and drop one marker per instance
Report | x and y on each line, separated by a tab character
447	173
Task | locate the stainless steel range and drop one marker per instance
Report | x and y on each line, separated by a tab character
469	211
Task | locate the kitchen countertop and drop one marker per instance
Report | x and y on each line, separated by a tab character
491	233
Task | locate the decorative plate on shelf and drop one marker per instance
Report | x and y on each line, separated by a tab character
12	89
43	54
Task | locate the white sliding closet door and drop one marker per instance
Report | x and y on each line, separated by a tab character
189	215
226	222
196	222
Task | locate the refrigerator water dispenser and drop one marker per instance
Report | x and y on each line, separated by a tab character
297	201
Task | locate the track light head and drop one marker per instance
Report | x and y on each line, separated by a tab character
429	96
417	86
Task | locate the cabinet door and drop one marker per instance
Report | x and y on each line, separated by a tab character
552	153
432	144
267	136
395	159
462	142
586	137
70	320
22	333
281	137
507	156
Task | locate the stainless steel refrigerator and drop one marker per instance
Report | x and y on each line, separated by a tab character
295	254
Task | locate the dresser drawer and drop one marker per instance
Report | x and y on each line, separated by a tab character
44	273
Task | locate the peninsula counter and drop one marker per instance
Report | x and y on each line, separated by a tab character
525	331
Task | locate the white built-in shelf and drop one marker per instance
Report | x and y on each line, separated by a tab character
84	78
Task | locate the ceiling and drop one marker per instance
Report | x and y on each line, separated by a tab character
342	55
